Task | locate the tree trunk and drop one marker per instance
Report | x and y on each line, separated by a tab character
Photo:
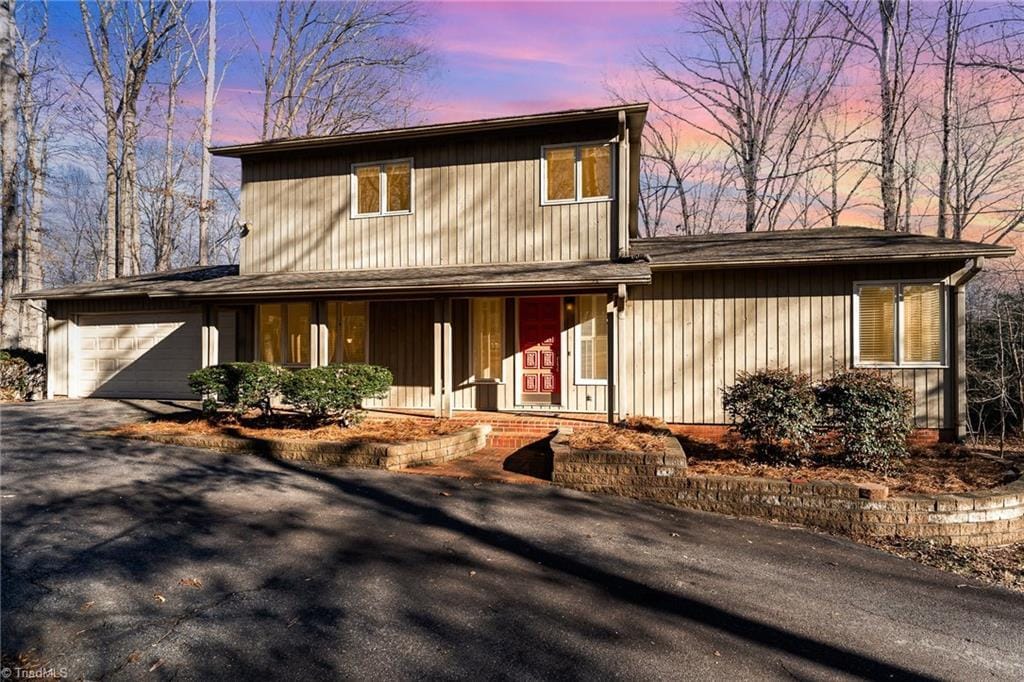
10	332
129	208
205	206
948	86
162	238
32	279
887	180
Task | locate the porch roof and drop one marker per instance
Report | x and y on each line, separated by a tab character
799	247
224	281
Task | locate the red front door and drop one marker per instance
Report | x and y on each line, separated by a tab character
540	327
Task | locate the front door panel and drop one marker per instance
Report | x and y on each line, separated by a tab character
540	328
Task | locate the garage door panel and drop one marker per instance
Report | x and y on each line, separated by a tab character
137	355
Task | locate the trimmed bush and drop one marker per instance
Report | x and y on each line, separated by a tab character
870	416
336	391
776	411
22	374
238	386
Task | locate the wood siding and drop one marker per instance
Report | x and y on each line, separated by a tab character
400	338
690	333
473	202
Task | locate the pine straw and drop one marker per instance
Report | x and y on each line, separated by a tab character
289	427
996	565
616	438
936	469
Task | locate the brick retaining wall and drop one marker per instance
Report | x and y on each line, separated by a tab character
354	454
978	518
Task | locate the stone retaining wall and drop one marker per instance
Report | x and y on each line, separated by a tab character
643	475
979	518
353	454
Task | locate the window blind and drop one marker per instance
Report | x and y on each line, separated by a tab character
593	343
877	323
922	323
487	314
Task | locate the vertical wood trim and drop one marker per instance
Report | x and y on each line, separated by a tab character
448	355
438	357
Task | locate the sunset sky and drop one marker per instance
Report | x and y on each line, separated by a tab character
491	59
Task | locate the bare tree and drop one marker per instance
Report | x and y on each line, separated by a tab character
76	239
954	11
10	331
209	75
333	68
762	74
843	141
40	103
124	42
895	38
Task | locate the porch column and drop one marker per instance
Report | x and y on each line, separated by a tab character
612	385
438	402
623	352
210	335
319	353
447	407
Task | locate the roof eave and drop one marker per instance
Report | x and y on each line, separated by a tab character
435	130
760	262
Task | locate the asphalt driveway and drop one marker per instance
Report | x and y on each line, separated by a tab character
123	560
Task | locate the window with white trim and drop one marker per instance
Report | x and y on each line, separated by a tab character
591	339
347	324
284	333
487	316
899	324
579	172
382	188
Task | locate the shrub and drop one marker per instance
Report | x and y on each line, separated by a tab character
776	410
238	386
870	416
22	374
335	391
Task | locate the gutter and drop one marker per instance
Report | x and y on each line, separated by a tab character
403	288
704	265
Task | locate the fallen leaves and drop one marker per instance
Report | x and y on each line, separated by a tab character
191	582
159	597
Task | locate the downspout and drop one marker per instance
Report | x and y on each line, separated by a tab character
958	370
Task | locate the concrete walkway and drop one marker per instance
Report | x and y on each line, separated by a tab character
127	560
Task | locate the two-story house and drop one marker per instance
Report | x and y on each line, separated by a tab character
496	265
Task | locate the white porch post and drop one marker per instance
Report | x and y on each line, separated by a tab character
438	402
210	335
624	340
613	382
320	353
446	392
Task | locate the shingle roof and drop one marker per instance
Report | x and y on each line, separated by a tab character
224	281
824	245
636	112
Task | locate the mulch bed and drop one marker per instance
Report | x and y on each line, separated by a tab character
292	427
635	434
936	469
995	565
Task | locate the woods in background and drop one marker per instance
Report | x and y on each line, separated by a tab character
105	169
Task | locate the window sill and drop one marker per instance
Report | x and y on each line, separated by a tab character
863	365
380	215
485	382
591	382
569	202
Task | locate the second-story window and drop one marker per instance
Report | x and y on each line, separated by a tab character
580	172
382	188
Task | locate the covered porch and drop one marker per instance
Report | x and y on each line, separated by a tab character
525	339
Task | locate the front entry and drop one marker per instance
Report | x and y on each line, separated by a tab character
540	329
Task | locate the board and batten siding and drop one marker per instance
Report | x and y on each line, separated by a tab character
689	334
474	201
401	339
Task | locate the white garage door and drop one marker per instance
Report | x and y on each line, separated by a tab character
136	355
